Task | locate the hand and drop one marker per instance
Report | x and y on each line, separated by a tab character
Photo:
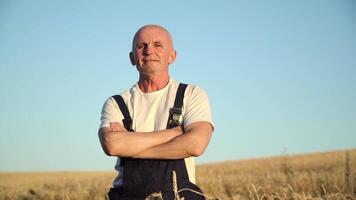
177	131
116	126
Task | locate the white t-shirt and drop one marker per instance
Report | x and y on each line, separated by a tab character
150	112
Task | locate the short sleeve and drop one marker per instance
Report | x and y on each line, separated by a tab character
196	106
110	113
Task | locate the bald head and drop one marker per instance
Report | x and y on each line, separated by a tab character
152	26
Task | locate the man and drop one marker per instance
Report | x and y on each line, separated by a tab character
157	126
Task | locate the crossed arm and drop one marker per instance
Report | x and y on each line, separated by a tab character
165	144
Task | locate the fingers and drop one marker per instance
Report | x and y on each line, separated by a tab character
178	129
116	126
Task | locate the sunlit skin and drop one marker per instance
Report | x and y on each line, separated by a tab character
152	53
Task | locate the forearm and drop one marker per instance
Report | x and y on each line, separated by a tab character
174	149
191	143
127	144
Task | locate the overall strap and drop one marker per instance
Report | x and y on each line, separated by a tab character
178	102
127	121
175	113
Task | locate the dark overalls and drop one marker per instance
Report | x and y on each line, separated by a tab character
144	177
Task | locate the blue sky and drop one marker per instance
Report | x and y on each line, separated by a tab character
281	75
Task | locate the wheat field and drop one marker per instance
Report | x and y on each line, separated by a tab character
327	175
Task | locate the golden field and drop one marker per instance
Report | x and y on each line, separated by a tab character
327	175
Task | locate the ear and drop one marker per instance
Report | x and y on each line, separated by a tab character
172	56
132	59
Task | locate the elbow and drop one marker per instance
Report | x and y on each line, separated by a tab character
197	150
197	147
106	143
114	148
108	150
111	148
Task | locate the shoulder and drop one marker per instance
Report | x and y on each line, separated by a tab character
195	91
126	94
191	90
194	95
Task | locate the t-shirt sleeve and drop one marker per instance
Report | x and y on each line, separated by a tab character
196	106
110	113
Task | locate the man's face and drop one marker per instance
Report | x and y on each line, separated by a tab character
152	51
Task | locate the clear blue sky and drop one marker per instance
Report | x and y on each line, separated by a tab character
279	74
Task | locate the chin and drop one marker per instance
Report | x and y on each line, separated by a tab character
151	66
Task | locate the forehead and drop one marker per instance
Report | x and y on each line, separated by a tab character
149	34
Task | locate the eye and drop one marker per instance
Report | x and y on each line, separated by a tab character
157	44
140	46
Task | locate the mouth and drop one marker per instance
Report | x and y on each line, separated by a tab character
148	61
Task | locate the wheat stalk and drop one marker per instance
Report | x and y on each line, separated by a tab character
324	193
347	173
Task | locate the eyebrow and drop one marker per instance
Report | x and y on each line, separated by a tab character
155	41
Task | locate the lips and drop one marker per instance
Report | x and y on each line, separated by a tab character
150	60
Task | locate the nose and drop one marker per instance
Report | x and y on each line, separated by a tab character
147	50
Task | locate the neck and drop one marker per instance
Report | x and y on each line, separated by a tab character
152	84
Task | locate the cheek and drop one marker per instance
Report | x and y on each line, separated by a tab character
166	57
139	57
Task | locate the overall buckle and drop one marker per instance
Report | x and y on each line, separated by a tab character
176	117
